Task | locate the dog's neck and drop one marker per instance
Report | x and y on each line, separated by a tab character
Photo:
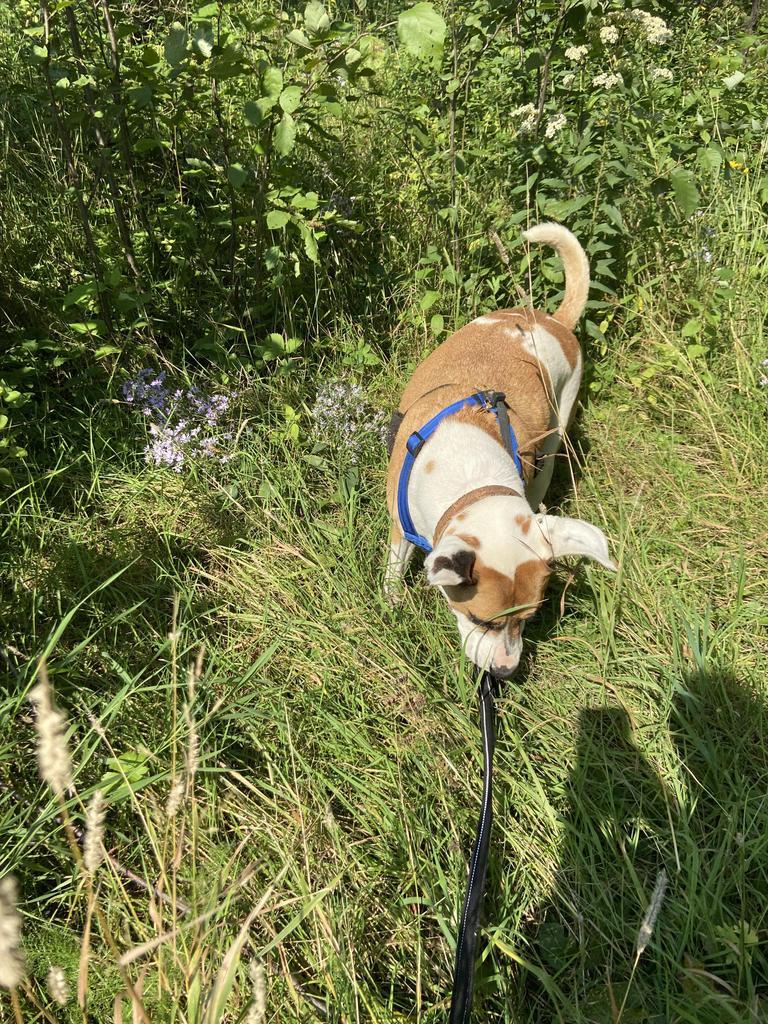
457	459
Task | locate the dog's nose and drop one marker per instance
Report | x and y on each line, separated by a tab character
503	663
502	673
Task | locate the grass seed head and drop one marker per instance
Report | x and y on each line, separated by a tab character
58	989
53	755
93	843
258	1008
11	957
646	928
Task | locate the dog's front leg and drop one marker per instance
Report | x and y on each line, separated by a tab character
400	551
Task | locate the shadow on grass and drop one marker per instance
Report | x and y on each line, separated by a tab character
706	961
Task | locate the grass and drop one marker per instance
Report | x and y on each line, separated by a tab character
337	783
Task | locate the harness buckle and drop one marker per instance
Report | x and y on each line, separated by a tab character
493	398
415	443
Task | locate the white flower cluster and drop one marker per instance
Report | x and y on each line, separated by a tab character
608	79
609	35
577	53
568	80
656	31
527	114
555	125
661	75
344	418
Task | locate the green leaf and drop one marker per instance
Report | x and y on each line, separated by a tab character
277	219
316	19
686	193
308	201
691	328
272	81
290	98
710	159
202	41
733	80
298	38
273	254
141	96
237	175
107	350
421	30
176	44
255	113
428	300
284	138
310	244
437	324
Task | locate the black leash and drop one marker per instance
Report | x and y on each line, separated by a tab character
466	943
464	969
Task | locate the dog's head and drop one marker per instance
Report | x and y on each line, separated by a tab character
493	562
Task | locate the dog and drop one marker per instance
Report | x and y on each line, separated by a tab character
469	500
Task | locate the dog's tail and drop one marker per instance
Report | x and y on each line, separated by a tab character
576	268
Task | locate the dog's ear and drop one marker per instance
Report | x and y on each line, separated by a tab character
450	564
575	537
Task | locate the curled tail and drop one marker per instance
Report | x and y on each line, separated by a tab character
576	268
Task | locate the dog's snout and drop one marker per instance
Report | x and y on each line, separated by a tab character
502	673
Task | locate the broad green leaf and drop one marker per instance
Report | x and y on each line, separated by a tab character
285	135
686	193
140	96
306	201
272	81
428	300
421	30
710	159
691	328
290	98
437	324
310	244
176	44
273	253
237	175
277	219
316	19
256	112
150	56
203	41
299	39
733	80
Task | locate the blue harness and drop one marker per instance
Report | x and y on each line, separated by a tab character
494	400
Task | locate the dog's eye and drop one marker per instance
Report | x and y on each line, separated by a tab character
496	625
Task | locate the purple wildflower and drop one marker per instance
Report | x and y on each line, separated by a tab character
344	417
184	424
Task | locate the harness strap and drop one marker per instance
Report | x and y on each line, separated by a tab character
492	401
490	491
464	969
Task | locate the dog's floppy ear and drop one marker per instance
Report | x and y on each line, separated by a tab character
450	564
575	537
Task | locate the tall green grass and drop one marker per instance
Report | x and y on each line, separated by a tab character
336	783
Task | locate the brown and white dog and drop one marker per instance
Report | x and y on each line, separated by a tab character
491	549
